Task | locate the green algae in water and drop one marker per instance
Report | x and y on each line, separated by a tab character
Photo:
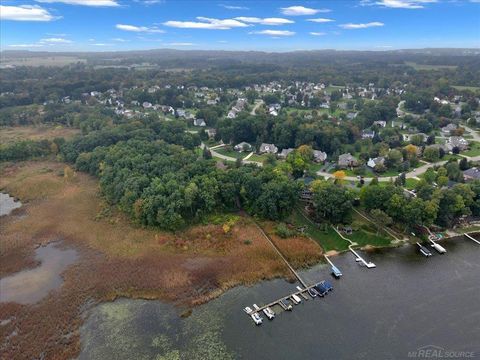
141	329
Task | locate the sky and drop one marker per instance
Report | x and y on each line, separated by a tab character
118	25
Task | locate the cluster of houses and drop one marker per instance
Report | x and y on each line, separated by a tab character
238	107
265	148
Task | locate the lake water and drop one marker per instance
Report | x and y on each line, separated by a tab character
30	286
8	204
406	303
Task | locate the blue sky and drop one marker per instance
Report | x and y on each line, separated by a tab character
109	25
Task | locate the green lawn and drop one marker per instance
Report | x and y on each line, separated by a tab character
258	158
328	240
471	88
366	233
231	153
411	183
429	67
331	88
474	149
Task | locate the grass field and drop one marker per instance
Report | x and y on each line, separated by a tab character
42	61
471	88
429	67
13	134
366	233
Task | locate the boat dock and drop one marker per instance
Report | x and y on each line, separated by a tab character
369	265
335	271
472	238
286	301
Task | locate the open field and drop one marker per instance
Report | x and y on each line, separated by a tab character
11	134
471	88
42	61
429	67
117	258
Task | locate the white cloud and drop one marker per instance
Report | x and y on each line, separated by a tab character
55	41
301	10
233	7
206	23
274	32
120	40
351	26
25	13
398	4
265	21
25	45
102	44
181	44
97	3
321	20
317	33
134	28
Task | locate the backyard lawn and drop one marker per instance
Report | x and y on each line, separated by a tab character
328	240
474	149
231	153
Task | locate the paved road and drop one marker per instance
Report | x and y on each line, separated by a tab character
411	174
472	132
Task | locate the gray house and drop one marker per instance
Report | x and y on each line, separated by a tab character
243	146
347	160
319	156
268	149
284	153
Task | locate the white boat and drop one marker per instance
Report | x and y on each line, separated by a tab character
297	299
256	307
439	248
248	310
269	313
257	319
299	288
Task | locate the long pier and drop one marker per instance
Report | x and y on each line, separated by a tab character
472	238
281	256
278	301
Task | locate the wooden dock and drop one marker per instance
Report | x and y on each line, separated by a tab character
472	238
281	256
303	293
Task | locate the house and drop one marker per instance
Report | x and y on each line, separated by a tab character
372	163
471	174
381	123
211	133
319	156
342	106
199	122
268	148
284	153
243	146
147	105
368	134
457	142
181	112
232	114
352	115
347	160
449	128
